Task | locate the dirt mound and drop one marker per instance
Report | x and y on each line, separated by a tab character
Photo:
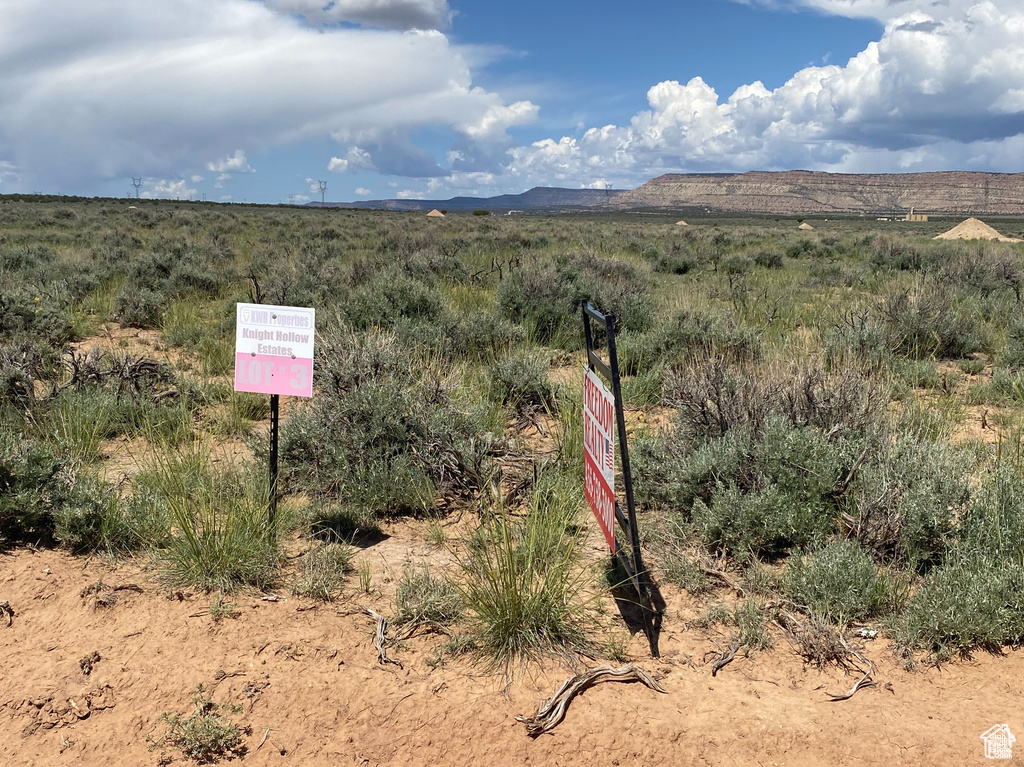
973	229
681	223
805	227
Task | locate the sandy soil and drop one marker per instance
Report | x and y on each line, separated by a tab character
307	678
973	229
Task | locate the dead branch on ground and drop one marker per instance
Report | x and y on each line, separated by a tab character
552	712
380	640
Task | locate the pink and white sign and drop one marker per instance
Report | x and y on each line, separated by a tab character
599	452
274	349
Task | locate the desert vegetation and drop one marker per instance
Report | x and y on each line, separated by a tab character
828	423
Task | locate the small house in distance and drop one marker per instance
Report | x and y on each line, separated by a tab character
435	213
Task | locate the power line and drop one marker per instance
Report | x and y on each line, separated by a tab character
323	191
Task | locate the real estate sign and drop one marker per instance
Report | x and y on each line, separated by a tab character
599	452
274	349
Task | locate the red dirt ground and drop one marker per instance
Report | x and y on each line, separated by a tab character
307	678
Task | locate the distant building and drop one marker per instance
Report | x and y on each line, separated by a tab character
912	216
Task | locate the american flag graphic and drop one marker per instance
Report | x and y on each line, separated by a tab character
609	456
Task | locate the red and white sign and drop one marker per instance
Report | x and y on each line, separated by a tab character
274	349
599	452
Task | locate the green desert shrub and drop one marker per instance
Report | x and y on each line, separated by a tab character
684	336
546	297
220	537
855	339
838	582
390	295
34	481
896	254
992	525
929	322
906	498
45	498
519	380
1011	355
749	494
712	397
322	571
967	604
484	335
760	522
96	518
385	432
31	311
675	262
140	307
523	588
207	735
986	269
768	259
173	268
424	598
759	464
735	265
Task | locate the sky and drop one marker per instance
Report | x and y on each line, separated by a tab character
263	100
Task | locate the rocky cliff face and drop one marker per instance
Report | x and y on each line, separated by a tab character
789	192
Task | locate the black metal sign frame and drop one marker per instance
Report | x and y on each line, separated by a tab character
628	556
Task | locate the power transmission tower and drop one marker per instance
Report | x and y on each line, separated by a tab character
323	191
137	183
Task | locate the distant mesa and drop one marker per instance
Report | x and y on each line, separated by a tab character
801	193
887	196
539	198
973	229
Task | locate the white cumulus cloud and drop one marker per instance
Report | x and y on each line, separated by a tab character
114	88
942	88
168	189
235	163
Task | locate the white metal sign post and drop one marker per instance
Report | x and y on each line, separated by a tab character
599	452
274	355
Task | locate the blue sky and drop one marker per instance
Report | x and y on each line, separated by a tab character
259	100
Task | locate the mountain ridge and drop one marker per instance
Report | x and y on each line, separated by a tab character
792	192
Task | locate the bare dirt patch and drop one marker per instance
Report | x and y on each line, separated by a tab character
312	692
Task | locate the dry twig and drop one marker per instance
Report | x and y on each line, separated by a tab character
866	679
552	712
726	657
380	641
